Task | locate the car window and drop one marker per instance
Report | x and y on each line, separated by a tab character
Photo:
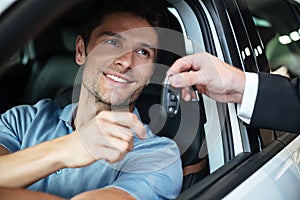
45	68
5	4
36	68
277	23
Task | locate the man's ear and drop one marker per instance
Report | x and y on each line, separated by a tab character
80	51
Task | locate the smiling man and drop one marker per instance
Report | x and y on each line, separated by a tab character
120	61
97	148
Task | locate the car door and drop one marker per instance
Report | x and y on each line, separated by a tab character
253	163
279	177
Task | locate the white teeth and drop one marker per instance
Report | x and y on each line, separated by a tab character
117	79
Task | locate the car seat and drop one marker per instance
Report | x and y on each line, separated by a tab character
51	59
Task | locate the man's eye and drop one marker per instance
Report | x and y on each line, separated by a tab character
143	52
113	42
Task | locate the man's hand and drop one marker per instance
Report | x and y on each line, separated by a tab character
211	76
109	136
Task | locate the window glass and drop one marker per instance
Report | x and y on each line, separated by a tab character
279	28
5	4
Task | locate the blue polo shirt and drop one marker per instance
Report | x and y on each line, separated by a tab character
152	170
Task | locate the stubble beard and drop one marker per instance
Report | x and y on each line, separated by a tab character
111	101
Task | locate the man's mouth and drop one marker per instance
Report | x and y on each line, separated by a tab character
116	78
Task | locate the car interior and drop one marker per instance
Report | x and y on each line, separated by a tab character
211	139
46	68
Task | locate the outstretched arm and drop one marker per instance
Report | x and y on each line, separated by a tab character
109	193
27	166
109	136
274	100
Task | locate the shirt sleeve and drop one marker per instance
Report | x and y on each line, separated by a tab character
13	125
245	109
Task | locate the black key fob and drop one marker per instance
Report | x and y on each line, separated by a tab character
170	99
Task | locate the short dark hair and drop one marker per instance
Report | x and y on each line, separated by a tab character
154	11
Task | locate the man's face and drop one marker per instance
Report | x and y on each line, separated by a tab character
119	60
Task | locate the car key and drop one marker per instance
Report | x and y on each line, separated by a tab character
170	98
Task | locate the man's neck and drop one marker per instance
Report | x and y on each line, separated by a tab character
88	108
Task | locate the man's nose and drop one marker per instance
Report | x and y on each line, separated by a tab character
125	60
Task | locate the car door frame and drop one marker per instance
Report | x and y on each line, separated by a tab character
227	14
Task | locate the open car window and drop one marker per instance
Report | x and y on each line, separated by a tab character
280	33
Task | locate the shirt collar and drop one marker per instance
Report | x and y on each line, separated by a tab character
68	113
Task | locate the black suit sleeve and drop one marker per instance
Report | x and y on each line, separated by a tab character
278	103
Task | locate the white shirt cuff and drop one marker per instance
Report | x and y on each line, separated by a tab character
245	109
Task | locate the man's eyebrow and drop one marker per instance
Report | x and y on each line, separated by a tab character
111	34
145	45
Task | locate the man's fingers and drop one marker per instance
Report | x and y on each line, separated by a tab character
187	79
181	65
119	144
110	135
190	63
124	119
112	130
